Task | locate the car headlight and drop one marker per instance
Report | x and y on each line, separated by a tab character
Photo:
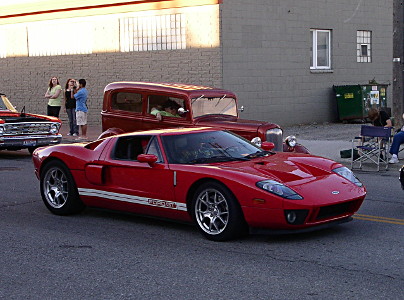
291	141
278	189
256	141
348	174
54	128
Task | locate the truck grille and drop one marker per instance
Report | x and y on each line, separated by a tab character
27	128
275	136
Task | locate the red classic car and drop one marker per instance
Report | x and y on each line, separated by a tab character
26	131
219	180
131	106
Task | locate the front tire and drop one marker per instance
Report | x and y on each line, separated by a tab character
217	213
58	189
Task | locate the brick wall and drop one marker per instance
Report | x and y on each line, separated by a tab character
25	79
263	55
266	54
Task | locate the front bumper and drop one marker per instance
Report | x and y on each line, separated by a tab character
253	230
21	142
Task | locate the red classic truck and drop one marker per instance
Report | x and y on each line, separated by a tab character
133	106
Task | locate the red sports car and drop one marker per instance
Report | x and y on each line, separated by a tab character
217	179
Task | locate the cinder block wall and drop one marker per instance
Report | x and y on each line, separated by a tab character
263	55
266	54
25	79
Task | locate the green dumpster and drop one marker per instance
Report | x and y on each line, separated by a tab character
354	101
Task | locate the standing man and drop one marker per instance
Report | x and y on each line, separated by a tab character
81	108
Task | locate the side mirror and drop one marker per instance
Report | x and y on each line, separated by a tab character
241	108
147	158
267	146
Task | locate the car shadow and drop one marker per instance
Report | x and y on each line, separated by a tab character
7	154
303	236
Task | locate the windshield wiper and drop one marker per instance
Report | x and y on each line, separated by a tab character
221	158
259	154
200	97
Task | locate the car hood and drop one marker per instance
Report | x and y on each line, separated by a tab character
9	116
233	124
285	167
309	176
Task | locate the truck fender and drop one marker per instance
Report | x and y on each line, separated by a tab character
110	132
299	148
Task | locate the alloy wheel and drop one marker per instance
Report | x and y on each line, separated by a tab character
212	211
56	186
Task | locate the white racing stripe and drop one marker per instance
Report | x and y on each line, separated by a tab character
133	199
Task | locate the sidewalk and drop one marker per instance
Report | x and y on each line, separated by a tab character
93	132
326	140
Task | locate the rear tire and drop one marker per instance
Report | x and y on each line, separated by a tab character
58	189
217	213
31	149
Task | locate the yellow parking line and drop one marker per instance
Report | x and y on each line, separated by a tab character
379	219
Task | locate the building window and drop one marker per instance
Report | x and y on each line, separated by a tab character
320	50
60	38
152	33
363	46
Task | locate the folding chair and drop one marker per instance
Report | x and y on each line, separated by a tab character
373	146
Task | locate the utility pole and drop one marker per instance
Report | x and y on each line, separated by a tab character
398	62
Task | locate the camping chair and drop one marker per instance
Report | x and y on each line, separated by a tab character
372	146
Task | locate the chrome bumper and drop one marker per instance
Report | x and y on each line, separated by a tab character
20	142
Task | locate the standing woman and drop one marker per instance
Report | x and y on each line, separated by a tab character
54	94
70	104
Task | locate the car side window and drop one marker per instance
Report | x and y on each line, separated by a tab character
158	102
154	148
127	101
129	147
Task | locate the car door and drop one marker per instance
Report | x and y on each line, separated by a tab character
156	101
124	111
136	186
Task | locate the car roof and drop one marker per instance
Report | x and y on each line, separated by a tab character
171	131
178	88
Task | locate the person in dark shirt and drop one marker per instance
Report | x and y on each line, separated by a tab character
379	118
70	105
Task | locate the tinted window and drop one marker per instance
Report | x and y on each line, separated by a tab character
154	148
207	147
129	147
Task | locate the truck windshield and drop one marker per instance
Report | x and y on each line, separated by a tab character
218	105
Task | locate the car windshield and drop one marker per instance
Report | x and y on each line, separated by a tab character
5	104
209	147
216	105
